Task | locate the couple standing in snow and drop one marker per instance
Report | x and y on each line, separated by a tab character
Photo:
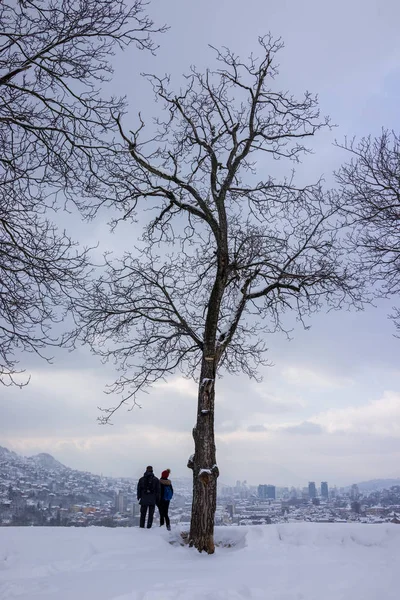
152	492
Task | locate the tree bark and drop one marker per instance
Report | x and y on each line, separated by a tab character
203	463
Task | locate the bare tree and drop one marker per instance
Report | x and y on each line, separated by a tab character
227	247
54	126
370	192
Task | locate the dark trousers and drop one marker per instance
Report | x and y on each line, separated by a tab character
163	508
143	511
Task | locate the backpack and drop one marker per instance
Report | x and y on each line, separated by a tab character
149	486
167	492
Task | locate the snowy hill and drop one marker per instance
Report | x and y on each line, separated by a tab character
6	454
41	461
302	561
377	484
47	461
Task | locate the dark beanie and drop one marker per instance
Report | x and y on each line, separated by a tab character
165	474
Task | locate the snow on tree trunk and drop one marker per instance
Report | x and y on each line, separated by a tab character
203	463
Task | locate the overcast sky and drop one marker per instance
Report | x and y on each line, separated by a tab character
329	408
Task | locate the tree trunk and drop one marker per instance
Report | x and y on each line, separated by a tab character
203	463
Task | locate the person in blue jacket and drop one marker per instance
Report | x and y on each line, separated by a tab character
166	493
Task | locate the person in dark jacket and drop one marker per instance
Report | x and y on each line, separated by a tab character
166	493
148	495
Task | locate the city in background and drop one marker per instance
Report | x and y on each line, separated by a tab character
41	491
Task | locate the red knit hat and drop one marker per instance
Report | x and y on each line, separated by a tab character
165	474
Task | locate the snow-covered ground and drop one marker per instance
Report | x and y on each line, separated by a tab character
301	561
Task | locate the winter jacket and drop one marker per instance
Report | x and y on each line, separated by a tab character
163	484
148	489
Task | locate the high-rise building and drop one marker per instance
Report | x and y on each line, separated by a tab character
304	493
312	490
120	502
354	492
324	489
267	492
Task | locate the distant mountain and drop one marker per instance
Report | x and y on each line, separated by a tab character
39	461
377	484
5	453
47	462
8	455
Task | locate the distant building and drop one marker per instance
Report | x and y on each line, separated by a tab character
267	492
324	490
282	493
312	490
121	502
354	492
88	509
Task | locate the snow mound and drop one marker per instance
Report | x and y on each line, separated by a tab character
293	561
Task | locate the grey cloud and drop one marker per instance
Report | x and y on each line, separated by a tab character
256	428
305	428
272	406
227	427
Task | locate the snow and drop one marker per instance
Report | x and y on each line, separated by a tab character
299	561
204	471
258	289
232	317
225	329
